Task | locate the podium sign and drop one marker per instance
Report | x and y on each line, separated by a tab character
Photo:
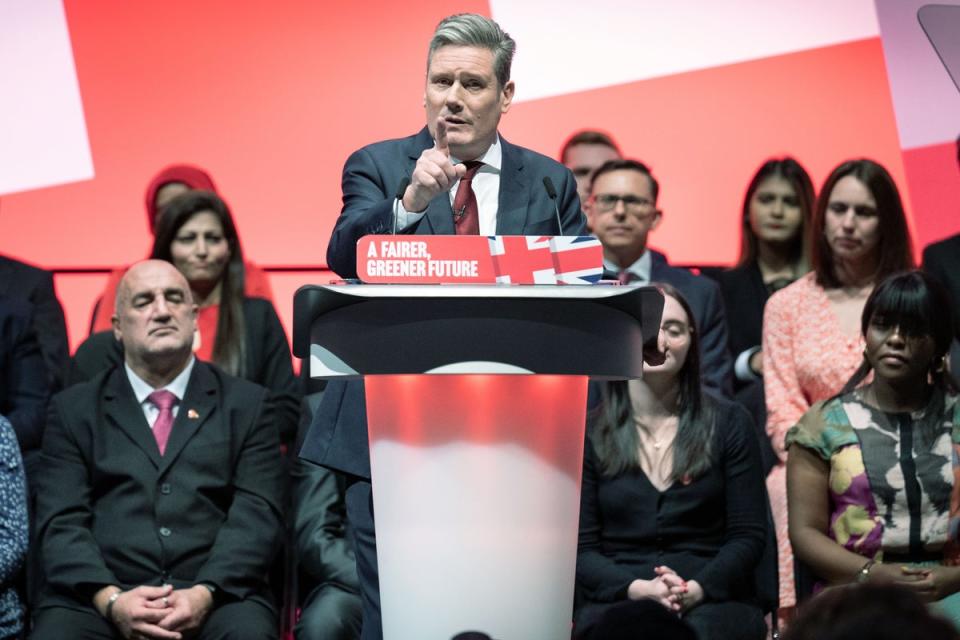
479	259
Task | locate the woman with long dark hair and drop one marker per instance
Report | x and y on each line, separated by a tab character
811	339
775	224
673	507
872	472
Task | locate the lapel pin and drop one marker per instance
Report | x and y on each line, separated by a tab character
192	414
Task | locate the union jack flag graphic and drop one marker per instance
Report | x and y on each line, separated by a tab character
546	259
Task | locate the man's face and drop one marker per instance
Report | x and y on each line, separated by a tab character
463	91
621	210
155	314
584	160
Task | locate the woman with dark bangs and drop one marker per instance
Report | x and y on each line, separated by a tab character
811	338
673	508
872	472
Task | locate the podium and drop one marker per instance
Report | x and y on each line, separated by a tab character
476	399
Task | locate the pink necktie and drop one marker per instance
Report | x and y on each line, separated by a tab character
466	213
164	401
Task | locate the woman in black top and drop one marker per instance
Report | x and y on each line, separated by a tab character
776	214
673	506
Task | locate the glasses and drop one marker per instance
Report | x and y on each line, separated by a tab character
634	204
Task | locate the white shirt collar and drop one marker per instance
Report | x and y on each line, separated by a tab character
642	268
177	386
492	157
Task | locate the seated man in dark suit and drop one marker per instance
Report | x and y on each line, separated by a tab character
461	177
24	385
942	261
19	280
622	211
161	531
329	590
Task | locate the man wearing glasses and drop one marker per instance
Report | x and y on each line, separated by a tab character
621	212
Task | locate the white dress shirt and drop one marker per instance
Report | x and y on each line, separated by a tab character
142	389
641	269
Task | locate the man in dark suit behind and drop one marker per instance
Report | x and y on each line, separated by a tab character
33	285
168	530
942	261
622	211
468	89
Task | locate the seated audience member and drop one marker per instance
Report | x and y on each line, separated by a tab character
240	334
776	216
13	532
20	281
160	509
583	153
942	261
811	337
673	508
875	611
871	472
24	387
621	212
166	185
329	589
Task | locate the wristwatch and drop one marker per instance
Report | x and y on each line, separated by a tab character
108	610
864	574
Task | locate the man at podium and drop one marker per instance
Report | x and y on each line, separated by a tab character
456	176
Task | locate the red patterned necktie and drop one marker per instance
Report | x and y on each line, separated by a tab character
626	277
466	214
164	401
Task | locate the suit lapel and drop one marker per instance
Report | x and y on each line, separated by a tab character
123	410
512	209
198	405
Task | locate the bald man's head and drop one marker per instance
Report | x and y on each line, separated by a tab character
155	316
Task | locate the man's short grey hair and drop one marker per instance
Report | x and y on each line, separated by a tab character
472	30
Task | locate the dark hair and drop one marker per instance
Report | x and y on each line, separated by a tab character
229	347
878	611
627	165
614	434
920	306
587	136
894	249
791	171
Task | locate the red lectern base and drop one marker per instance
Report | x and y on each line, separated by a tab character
476	490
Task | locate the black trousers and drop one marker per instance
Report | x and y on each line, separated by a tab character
359	499
243	620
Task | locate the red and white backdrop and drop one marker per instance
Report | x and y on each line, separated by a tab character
271	97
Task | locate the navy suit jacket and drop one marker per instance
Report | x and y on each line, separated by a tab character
372	175
703	296
338	437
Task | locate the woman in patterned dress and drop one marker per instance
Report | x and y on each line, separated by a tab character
811	341
871	472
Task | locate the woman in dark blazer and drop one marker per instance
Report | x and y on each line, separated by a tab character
242	335
673	507
777	210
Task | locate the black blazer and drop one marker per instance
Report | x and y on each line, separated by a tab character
268	361
744	296
372	174
111	510
20	280
24	386
942	261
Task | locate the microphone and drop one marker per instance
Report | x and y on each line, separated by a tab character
401	189
552	194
